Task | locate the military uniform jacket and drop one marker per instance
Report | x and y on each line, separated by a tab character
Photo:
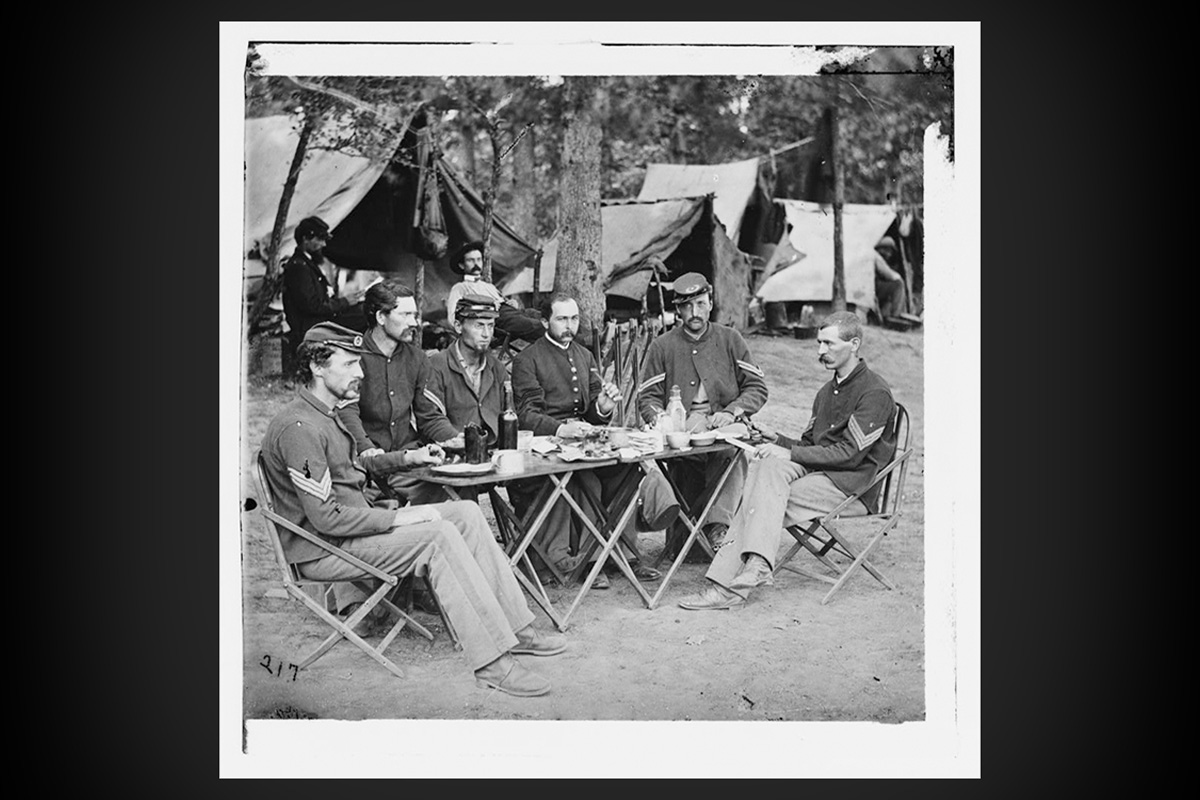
315	480
552	385
456	403
720	358
391	398
849	437
306	293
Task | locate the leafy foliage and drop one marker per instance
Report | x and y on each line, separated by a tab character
885	102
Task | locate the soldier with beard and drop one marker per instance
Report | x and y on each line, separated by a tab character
318	485
558	393
308	297
466	382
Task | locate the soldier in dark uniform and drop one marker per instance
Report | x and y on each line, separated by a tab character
558	394
308	297
849	438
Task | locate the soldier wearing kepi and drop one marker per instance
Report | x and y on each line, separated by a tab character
719	384
318	485
466	382
849	438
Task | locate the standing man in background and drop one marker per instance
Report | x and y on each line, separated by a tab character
308	297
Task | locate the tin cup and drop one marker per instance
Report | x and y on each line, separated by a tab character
509	462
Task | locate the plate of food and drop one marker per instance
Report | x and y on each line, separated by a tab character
463	468
589	451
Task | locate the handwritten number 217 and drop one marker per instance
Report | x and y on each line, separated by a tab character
278	671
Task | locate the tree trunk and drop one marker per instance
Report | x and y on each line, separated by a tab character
273	277
468	141
839	267
578	268
524	206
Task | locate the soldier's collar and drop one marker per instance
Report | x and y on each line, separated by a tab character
314	402
858	368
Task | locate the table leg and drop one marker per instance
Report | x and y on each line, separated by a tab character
694	527
627	500
519	556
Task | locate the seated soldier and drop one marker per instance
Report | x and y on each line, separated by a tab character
318	485
558	392
466	382
790	482
719	384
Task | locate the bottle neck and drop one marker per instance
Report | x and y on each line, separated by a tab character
508	399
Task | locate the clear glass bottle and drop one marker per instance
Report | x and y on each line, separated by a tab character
676	411
508	421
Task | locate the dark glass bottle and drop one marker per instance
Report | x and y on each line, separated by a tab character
508	421
475	442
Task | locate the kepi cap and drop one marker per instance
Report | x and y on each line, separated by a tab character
474	306
334	334
456	261
689	285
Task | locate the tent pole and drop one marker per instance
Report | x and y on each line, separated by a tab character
662	303
537	280
839	267
419	291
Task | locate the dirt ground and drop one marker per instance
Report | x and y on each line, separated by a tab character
782	657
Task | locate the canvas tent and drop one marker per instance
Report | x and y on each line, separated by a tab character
682	232
372	205
810	279
741	194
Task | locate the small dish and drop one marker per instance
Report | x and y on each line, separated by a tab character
703	439
678	439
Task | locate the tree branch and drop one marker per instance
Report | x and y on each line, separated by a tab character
338	94
516	141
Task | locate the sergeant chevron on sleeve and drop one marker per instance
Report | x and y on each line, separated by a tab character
849	438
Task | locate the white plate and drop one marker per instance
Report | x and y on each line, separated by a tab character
463	469
570	458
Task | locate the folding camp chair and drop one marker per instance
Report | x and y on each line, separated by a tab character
294	582
825	534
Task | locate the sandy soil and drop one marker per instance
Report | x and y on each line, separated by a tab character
782	657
